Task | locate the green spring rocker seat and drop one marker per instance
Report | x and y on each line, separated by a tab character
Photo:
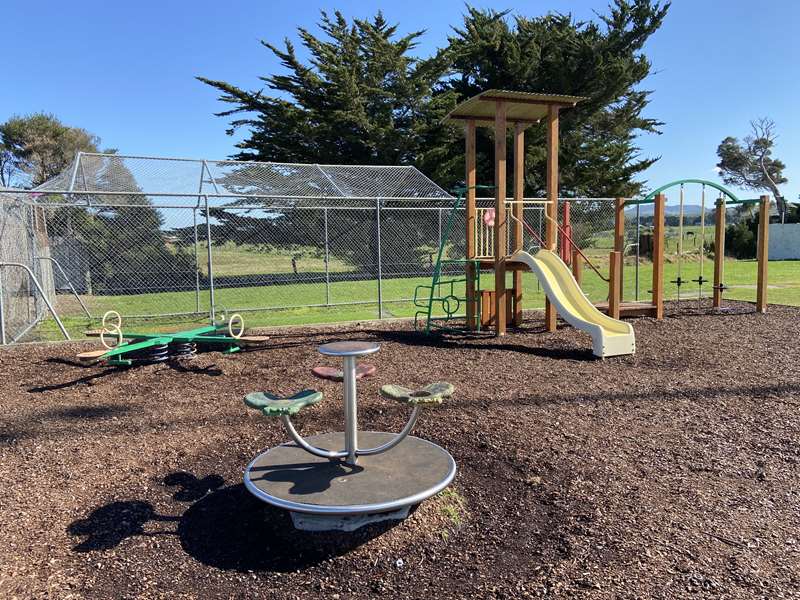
278	406
428	395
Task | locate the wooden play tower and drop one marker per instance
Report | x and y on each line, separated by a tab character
500	109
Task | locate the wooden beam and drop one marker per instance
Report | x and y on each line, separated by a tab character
762	254
658	254
500	226
485	121
552	197
719	252
518	211
614	284
577	266
470	179
547	103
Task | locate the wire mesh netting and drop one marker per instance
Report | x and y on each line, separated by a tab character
21	259
116	174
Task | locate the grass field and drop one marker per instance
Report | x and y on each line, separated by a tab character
249	259
784	281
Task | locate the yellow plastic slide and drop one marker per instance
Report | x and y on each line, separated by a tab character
610	337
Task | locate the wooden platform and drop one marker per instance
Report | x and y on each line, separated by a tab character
488	263
631	309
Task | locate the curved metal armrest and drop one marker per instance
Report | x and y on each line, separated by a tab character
396	440
298	439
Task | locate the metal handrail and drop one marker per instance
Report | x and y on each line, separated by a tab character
41	292
69	283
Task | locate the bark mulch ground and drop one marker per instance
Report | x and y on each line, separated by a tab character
664	475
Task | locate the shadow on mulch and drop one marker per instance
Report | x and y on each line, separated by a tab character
181	366
92	411
68	384
225	528
482	342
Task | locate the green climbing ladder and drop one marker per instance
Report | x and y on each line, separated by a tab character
442	291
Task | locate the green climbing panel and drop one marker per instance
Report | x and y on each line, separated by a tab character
443	294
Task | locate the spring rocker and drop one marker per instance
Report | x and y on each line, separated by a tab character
120	348
345	480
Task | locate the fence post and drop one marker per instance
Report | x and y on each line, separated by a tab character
196	263
619	238
763	254
440	226
327	259
380	268
2	313
211	309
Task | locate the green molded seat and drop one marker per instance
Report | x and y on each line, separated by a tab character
432	393
274	406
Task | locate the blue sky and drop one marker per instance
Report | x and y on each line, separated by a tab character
125	70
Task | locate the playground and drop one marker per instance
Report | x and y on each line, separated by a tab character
667	472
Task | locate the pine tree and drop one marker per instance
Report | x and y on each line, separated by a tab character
554	53
362	98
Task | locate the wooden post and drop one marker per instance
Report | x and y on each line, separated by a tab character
762	254
719	252
500	226
470	179
552	197
614	283
519	214
658	255
577	266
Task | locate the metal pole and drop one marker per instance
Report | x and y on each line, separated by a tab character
69	283
196	262
440	227
74	173
211	309
638	241
41	292
327	260
380	268
350	410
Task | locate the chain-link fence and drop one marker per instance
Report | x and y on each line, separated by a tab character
26	274
291	244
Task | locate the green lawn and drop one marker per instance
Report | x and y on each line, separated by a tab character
250	259
784	281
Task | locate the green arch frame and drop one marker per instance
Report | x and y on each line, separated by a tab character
716	186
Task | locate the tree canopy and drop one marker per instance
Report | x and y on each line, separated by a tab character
36	147
363	98
749	163
554	53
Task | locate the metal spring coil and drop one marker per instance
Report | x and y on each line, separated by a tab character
155	354
182	350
